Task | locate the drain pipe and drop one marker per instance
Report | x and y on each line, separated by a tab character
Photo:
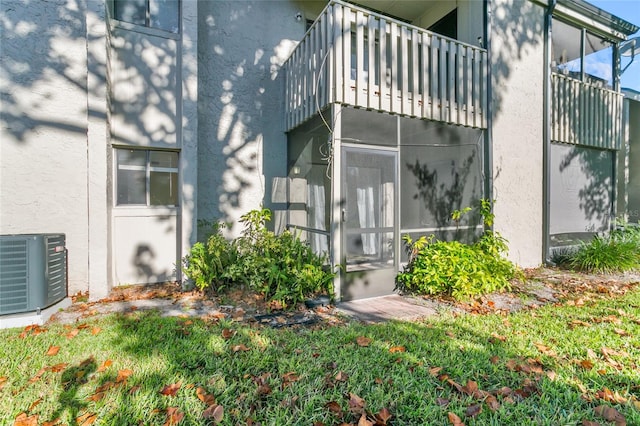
546	148
488	144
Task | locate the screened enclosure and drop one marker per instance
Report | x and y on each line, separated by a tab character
361	179
581	193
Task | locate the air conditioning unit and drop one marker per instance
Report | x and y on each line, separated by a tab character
33	272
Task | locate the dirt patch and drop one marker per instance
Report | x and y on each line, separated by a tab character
538	287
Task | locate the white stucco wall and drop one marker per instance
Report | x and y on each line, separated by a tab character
144	88
517	60
43	125
242	145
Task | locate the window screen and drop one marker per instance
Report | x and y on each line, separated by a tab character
160	14
440	171
146	177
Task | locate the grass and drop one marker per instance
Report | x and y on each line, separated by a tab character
293	376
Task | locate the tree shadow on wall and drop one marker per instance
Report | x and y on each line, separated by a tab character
240	150
443	190
595	192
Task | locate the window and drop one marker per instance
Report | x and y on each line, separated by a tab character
146	177
160	14
582	55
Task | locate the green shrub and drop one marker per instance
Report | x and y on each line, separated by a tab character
616	252
457	269
282	267
208	264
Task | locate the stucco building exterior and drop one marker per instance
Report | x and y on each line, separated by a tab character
125	124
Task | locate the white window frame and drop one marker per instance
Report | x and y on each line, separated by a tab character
147	168
146	27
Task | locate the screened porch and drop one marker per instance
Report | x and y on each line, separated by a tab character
359	180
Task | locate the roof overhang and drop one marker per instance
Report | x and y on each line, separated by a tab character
631	94
593	18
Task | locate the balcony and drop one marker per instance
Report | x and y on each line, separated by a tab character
584	113
356	57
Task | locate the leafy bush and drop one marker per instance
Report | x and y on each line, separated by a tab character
282	267
209	264
613	253
617	251
457	269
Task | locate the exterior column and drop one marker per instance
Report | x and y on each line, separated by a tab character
189	122
97	150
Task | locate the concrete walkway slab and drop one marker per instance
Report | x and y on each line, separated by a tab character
385	308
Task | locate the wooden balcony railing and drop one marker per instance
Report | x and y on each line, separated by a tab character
356	57
585	114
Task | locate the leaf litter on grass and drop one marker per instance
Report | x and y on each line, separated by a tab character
530	368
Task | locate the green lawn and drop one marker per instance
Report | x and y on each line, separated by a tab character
552	366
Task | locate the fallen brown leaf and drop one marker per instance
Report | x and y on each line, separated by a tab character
456	385
608	395
492	403
123	375
215	412
228	333
576	323
434	371
470	388
174	416
23	420
53	350
363	341
96	397
341	376
586	364
86	419
443	402
395	349
106	364
497	337
241	347
454	419
335	408
364	421
205	397
610	414
356	404
383	416
473	410
546	350
34	404
171	390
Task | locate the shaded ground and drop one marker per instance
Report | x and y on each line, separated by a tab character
538	287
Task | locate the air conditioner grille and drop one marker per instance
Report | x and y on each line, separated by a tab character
13	275
57	266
